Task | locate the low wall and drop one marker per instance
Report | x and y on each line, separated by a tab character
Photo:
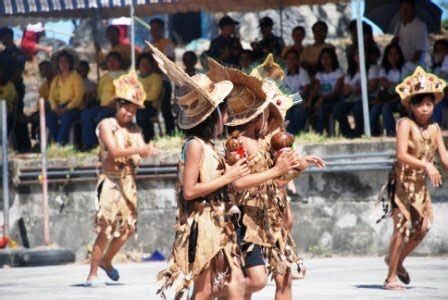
334	212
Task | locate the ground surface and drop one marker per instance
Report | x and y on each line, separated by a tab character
328	278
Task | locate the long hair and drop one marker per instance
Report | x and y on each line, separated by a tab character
386	64
352	66
333	57
206	129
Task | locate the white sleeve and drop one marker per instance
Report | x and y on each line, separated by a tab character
382	73
444	67
373	72
305	77
319	76
339	73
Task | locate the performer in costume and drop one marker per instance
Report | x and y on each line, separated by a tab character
205	249
258	193
121	148
408	200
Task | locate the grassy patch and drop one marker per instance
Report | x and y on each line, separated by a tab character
55	151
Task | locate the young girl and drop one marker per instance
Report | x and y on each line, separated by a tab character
418	139
121	148
205	250
393	70
327	87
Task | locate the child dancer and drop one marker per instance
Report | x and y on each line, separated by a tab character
121	148
418	139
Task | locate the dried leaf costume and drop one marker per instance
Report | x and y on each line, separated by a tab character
205	237
406	187
116	191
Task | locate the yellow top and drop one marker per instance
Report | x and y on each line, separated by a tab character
69	91
153	85
8	93
44	90
106	88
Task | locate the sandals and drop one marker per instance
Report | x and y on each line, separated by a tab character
112	273
94	283
403	276
392	286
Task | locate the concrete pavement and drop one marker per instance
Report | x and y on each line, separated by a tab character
328	278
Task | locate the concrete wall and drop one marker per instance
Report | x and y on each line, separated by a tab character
334	213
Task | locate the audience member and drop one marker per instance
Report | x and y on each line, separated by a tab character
310	53
269	43
298	34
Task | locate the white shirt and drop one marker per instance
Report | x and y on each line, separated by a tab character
413	37
296	82
328	81
395	75
444	67
356	80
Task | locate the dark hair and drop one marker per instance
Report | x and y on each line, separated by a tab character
334	59
366	28
193	56
69	57
299	28
294	51
410	2
157	21
352	67
206	129
385	63
84	64
6	31
320	23
45	63
147	56
113	28
442	43
116	55
417	99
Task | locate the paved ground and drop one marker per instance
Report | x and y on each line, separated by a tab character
328	278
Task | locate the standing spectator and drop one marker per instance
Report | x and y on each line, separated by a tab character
7	39
153	85
30	41
92	116
165	45
393	70
298	34
352	101
113	36
270	43
440	68
221	47
8	92
246	59
66	98
370	46
190	59
328	87
411	34
297	80
310	54
89	86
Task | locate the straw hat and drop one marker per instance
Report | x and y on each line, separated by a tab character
269	69
204	96
129	88
420	83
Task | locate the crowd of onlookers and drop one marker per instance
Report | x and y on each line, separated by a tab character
331	94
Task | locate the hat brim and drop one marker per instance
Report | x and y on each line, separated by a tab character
247	116
139	105
220	92
438	96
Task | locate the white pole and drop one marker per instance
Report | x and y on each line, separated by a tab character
4	114
43	150
362	69
132	36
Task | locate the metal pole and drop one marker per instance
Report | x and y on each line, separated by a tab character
4	114
362	69
43	179
132	36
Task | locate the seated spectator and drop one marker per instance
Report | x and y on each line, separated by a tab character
246	59
8	92
298	34
153	85
92	116
393	70
66	98
440	68
190	59
352	101
297	80
90	86
310	54
371	47
221	46
165	45
327	86
269	43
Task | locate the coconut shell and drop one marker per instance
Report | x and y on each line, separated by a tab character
281	140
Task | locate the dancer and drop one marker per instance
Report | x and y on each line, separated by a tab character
205	251
121	148
408	200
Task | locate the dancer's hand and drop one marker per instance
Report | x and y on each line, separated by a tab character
147	150
433	174
287	161
315	161
238	170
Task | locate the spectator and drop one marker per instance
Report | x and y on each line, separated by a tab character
298	34
352	101
113	36
297	80
89	86
164	45
66	98
7	92
310	53
190	59
153	85
327	86
393	70
270	43
246	59
221	47
411	34
30	41
440	68
91	117
7	39
370	46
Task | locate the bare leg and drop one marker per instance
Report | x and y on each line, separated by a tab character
283	287
414	240
395	248
255	280
203	286
234	289
114	247
97	252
